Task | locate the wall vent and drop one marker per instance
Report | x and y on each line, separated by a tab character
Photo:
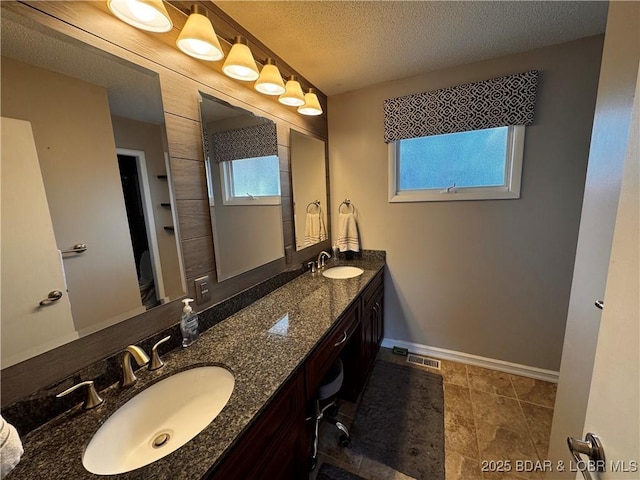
424	361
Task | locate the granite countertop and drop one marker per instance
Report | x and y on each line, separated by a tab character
260	360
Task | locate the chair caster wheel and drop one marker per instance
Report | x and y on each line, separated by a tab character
314	464
344	441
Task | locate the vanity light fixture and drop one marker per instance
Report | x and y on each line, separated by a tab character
198	39
240	63
149	15
311	104
293	95
270	81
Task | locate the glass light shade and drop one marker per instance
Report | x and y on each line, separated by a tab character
198	39
270	81
293	95
311	104
149	15
240	63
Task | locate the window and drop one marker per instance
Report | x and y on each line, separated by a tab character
251	181
474	165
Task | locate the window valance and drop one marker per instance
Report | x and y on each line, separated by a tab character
248	142
498	102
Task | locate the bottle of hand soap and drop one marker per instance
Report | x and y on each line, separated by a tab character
188	324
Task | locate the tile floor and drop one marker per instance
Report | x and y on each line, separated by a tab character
490	417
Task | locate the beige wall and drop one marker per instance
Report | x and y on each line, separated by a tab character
82	183
135	135
488	278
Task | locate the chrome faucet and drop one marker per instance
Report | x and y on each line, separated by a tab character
321	256
141	358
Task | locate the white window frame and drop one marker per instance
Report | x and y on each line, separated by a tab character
509	190
228	198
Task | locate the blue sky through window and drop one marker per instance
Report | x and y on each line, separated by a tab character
258	176
468	159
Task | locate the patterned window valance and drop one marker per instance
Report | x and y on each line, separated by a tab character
493	103
249	142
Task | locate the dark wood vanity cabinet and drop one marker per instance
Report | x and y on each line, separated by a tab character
339	338
372	323
274	445
359	356
277	445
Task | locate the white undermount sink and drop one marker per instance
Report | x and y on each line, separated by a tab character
343	271
159	420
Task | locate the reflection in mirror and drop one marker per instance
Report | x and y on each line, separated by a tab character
309	177
243	179
83	162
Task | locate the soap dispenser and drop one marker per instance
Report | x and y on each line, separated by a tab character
188	323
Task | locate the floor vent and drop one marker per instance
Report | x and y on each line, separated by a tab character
424	361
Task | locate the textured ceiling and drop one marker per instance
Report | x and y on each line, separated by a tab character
344	45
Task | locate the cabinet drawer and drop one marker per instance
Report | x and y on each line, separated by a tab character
326	353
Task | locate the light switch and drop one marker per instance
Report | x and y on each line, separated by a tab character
203	292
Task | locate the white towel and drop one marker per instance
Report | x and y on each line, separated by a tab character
10	448
348	238
314	229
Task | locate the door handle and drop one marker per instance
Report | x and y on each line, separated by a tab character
599	304
77	248
591	446
54	296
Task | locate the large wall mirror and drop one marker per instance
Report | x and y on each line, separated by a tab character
243	178
309	179
84	163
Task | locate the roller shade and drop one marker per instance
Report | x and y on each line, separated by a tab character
248	142
498	102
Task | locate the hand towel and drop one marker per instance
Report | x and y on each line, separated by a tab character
10	448
348	237
314	229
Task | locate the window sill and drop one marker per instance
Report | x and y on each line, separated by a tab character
497	193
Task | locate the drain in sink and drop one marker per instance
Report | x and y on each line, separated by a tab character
161	440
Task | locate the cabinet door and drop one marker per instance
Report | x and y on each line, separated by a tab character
378	328
270	443
285	459
368	333
372	328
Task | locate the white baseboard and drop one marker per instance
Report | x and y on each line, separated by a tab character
469	359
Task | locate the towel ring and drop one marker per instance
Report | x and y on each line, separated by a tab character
347	203
316	203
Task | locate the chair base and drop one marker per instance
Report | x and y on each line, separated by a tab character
345	438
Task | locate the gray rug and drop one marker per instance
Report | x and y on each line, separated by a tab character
331	472
400	421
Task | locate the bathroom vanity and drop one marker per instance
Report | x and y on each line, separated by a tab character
278	349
